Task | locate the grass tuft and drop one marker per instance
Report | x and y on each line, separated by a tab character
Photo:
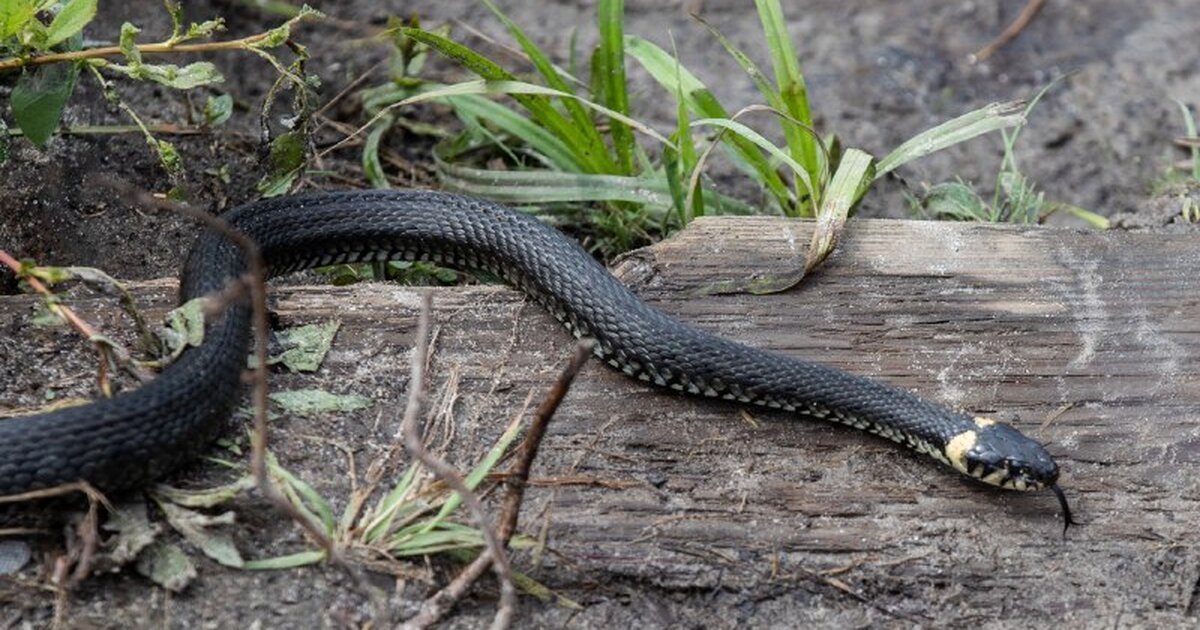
569	142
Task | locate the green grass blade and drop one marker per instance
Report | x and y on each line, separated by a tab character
522	581
372	165
790	82
673	76
559	155
792	131
550	74
802	174
530	188
1009	162
1095	220
539	107
392	505
677	164
305	497
610	15
540	187
752	70
520	89
440	539
676	79
849	183
481	470
291	561
983	120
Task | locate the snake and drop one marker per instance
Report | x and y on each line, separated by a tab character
137	436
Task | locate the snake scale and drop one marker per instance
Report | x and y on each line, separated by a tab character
137	436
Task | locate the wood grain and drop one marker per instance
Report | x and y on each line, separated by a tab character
1088	341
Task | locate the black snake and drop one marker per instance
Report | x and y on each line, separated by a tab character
138	436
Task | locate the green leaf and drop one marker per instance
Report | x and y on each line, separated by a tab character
752	70
203	29
14	15
187	320
291	561
311	402
303	496
128	43
280	34
39	97
218	109
168	155
538	187
431	542
1095	220
204	497
514	124
199	529
306	346
133	531
287	162
187	77
74	16
175	9
166	565
954	200
378	522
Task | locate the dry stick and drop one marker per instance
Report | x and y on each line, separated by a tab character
103	348
1010	33
519	475
435	607
89	534
255	281
258	298
88	529
350	87
115	51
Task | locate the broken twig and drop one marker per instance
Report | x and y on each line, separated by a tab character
435	607
1010	33
519	474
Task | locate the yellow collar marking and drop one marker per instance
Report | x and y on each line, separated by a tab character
957	448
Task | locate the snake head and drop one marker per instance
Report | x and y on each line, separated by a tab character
999	455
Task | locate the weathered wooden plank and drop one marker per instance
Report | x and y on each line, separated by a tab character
1088	341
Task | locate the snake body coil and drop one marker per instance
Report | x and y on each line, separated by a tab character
137	436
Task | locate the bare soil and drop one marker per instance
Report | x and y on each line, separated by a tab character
877	73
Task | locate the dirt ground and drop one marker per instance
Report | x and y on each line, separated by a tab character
877	73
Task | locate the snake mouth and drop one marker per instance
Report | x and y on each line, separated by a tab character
1008	478
1003	476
